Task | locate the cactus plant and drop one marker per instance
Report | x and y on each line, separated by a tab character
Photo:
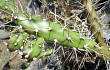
50	32
17	41
93	20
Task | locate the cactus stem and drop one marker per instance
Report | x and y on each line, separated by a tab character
92	19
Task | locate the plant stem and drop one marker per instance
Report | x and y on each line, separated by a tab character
92	19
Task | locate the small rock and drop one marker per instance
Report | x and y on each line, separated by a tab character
4	34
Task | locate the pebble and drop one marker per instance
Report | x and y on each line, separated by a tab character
3	34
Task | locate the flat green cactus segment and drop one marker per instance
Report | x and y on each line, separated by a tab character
36	48
16	41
